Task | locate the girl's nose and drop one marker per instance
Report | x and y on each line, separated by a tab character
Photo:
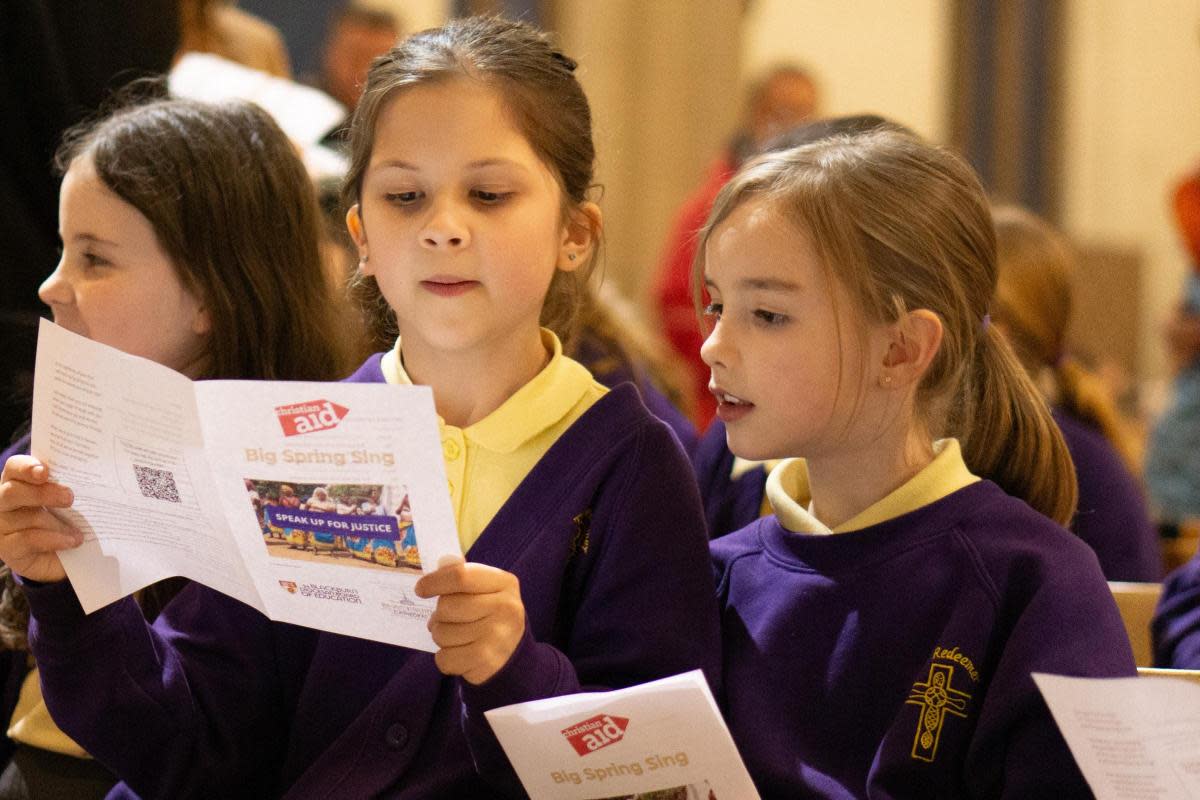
445	228
55	290
714	349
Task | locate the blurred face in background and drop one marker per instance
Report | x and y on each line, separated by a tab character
786	100
353	42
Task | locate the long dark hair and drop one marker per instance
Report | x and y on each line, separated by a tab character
233	207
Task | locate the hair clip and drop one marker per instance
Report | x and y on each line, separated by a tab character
566	61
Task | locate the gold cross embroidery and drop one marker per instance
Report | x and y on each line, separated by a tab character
936	699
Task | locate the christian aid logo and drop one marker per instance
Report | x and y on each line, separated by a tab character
599	731
315	415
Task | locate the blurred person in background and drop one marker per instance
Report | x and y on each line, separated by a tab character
1173	454
221	28
356	36
1032	307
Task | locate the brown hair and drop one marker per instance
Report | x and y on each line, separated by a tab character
538	86
233	207
1033	304
905	225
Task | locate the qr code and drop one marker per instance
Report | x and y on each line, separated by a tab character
157	483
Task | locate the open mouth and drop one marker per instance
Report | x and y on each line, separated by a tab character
730	407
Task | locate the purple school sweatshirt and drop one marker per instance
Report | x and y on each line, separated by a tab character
895	661
1111	517
607	538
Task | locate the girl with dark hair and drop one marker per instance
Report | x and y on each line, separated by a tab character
176	251
587	566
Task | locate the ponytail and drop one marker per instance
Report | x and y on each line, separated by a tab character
1084	396
1010	437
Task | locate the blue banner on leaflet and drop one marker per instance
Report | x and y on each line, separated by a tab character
370	527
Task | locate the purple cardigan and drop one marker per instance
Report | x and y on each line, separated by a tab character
607	539
895	661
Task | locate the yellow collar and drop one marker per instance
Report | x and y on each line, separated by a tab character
787	490
742	467
532	409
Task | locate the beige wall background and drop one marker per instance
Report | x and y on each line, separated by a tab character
1133	129
875	56
662	78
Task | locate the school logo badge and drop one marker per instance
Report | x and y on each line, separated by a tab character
937	698
315	415
597	732
289	585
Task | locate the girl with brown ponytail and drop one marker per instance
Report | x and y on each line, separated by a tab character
881	627
1033	309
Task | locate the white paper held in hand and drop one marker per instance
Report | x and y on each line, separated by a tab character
663	739
319	504
1133	738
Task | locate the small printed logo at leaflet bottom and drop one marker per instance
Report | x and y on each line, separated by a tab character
289	585
597	732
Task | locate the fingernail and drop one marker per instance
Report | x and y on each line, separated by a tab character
39	472
67	496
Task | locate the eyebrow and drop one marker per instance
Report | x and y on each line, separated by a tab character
91	237
761	284
477	164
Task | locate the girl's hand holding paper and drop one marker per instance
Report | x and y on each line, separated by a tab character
479	619
30	535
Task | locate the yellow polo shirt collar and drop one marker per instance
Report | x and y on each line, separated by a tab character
485	462
532	409
788	493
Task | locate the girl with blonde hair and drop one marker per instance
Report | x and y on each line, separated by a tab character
881	627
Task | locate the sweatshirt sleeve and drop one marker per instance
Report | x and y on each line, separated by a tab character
644	608
172	715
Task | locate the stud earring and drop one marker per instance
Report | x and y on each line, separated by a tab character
571	256
885	381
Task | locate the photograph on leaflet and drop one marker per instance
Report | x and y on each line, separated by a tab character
367	525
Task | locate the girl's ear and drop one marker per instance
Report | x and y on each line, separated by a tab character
580	236
358	233
912	343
